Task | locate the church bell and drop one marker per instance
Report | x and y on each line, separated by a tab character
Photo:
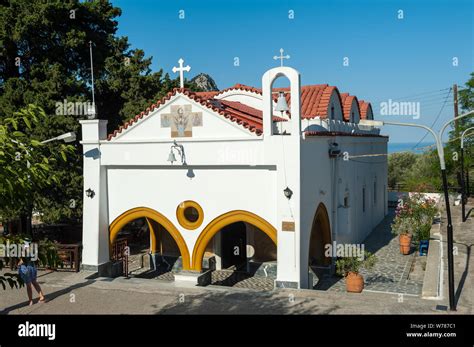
171	157
281	105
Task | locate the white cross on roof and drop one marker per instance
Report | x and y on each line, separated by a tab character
281	57
181	69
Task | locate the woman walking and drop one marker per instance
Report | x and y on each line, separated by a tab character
28	273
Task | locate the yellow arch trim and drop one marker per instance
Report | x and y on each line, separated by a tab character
140	212
223	220
152	235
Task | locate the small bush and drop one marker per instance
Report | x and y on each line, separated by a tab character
355	264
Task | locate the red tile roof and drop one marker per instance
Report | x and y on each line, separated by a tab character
314	103
250	124
364	107
207	95
314	98
347	100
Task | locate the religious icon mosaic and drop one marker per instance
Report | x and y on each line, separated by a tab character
181	120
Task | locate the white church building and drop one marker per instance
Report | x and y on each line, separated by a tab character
243	176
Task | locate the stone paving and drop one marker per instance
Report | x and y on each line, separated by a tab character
393	272
156	275
229	278
142	296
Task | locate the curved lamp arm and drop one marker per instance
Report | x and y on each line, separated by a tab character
439	145
463	134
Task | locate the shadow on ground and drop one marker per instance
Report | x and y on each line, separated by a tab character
49	296
246	303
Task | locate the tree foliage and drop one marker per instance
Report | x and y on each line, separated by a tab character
26	165
44	60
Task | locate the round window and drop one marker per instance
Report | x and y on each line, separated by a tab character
189	214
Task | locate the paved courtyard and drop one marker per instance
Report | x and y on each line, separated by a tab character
70	293
393	272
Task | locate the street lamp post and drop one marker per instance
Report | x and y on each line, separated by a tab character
463	186
439	146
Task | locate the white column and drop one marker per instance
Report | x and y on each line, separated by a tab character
95	228
285	152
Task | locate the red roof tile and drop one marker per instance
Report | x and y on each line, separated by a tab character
207	95
249	124
314	98
364	108
314	103
347	101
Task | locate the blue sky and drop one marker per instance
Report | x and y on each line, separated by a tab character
389	58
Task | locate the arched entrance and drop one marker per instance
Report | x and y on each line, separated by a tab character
234	220
157	223
320	236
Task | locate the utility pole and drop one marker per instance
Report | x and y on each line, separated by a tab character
456	123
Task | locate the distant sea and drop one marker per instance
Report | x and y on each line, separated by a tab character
408	147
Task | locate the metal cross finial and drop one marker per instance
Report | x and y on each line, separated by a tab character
281	57
181	69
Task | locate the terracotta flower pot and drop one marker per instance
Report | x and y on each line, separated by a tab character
405	243
354	282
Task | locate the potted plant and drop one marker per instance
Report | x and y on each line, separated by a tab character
404	223
425	214
349	268
403	227
413	218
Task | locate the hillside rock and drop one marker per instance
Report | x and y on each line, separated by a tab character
205	82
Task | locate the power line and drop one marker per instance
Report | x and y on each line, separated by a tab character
436	98
419	94
437	104
434	102
436	119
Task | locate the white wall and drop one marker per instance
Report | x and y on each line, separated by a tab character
217	190
349	225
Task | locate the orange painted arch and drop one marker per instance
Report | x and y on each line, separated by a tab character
148	213
223	220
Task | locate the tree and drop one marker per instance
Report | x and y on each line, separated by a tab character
399	164
44	60
26	165
424	175
452	151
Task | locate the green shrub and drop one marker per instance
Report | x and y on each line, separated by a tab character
345	265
